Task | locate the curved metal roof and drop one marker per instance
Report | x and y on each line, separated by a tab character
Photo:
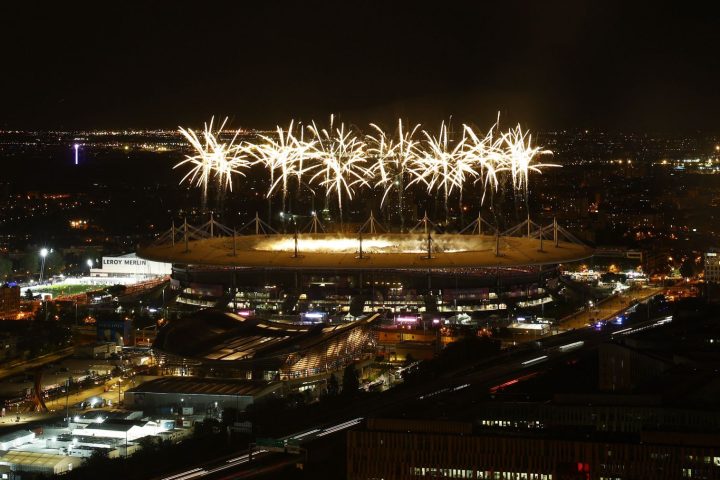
477	251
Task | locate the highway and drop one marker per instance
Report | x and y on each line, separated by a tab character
19	367
222	467
609	307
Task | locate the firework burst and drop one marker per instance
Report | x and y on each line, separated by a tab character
392	155
485	156
520	157
284	157
436	164
213	158
341	160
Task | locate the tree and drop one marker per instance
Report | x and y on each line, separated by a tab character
230	415
97	462
29	294
351	381
333	388
5	268
687	269
54	263
31	262
47	311
116	289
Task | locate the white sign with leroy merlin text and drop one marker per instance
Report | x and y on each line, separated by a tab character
134	265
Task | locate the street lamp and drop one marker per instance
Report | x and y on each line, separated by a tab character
90	265
43	254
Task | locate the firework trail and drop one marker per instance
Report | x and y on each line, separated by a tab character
341	160
213	158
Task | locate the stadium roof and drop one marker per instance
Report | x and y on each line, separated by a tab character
477	251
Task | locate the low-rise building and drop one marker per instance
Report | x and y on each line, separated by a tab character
100	349
198	395
9	301
15	439
121	429
406	449
712	265
131	265
39	463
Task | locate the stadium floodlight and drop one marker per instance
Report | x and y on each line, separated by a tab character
43	253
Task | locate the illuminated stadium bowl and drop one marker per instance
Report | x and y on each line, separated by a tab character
366	252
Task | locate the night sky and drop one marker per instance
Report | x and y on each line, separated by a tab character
546	64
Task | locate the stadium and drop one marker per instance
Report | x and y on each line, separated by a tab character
312	292
269	306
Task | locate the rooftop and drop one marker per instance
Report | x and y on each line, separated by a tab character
117	425
202	386
216	336
35	459
461	251
9	437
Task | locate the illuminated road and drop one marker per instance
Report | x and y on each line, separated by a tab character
56	406
608	308
23	367
269	460
219	466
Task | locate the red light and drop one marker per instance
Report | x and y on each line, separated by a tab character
512	382
503	385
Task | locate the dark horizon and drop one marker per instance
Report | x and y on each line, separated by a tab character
559	66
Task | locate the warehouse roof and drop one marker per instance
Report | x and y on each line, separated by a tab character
116	425
34	459
9	437
204	386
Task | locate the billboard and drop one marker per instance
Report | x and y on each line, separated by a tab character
117	331
132	265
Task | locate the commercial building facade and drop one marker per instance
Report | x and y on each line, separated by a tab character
197	396
9	301
410	449
712	266
131	265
